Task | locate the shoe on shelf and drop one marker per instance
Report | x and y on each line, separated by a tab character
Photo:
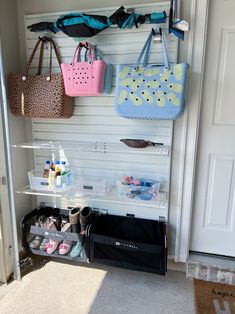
85	217
57	221
66	245
35	243
44	244
41	220
52	245
74	215
76	250
45	223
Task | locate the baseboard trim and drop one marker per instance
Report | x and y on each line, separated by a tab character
172	265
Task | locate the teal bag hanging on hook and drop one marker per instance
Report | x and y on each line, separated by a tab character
151	92
109	69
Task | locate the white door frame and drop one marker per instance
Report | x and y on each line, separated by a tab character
196	55
3	272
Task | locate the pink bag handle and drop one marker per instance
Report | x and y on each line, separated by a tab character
91	53
76	55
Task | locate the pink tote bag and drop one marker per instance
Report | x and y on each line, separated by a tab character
84	78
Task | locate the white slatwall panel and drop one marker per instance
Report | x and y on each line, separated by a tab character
94	118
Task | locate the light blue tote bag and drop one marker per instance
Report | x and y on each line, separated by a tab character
108	77
150	91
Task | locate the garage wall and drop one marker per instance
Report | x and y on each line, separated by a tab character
46	6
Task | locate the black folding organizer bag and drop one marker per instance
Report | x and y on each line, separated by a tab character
128	242
29	231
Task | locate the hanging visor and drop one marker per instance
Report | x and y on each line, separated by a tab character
137	143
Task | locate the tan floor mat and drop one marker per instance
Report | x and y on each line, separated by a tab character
214	298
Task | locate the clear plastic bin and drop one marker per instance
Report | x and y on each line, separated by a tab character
146	190
37	182
91	185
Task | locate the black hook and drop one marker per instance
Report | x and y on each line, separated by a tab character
83	45
159	32
45	39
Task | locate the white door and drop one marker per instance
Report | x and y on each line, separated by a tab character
213	221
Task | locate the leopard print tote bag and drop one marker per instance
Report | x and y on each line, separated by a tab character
38	95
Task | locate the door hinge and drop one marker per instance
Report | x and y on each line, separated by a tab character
10	249
3	180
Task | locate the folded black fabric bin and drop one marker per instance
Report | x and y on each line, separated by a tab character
128	242
29	231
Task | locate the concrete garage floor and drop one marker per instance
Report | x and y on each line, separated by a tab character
59	288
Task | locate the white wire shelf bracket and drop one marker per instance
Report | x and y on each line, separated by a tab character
100	147
161	201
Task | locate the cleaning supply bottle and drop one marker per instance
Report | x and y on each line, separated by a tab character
63	168
46	169
58	173
52	165
57	166
52	178
65	173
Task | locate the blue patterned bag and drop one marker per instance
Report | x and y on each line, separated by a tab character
150	91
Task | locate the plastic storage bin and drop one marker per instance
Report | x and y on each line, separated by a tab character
37	182
128	242
138	188
91	185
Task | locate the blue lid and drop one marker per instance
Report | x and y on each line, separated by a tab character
48	162
63	162
57	162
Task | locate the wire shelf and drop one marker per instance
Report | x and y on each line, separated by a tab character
101	147
160	202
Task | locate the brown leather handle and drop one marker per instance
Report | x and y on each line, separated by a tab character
40	58
31	57
43	40
55	50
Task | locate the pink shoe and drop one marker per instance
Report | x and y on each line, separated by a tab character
66	246
52	246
